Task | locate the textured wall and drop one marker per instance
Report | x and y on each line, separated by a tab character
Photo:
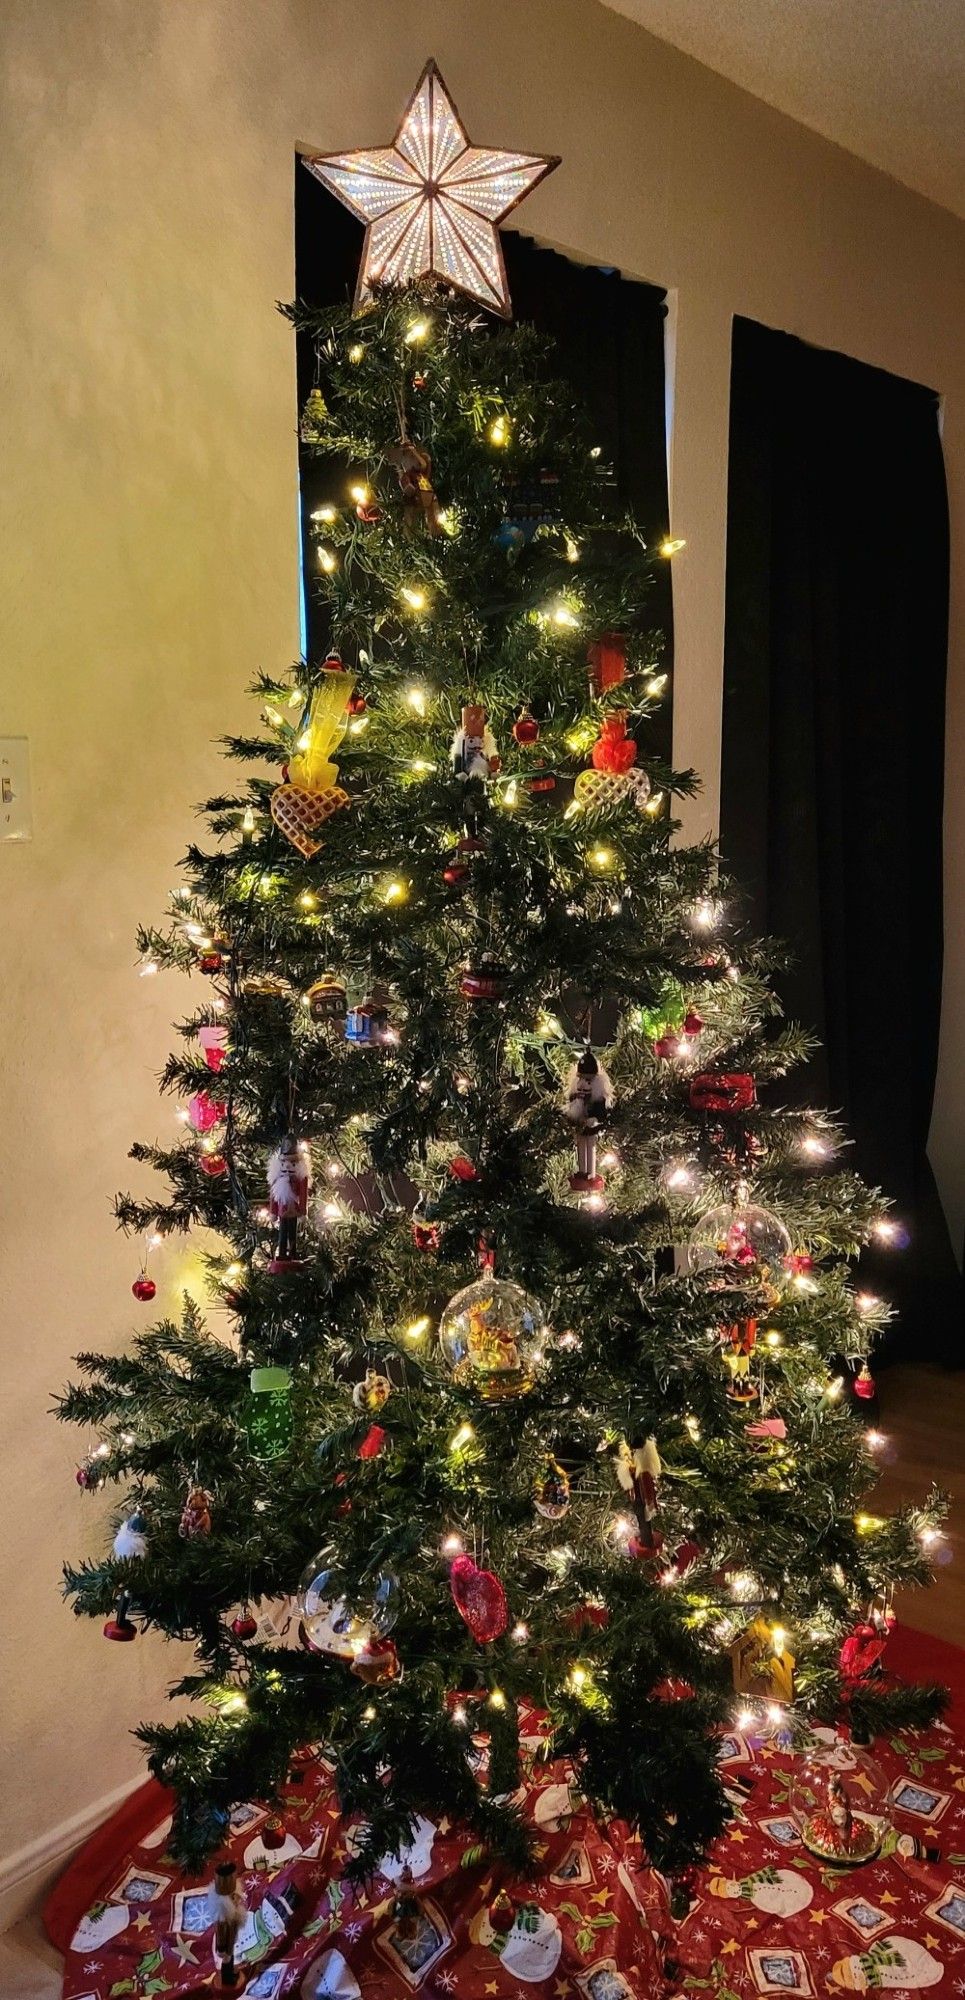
148	500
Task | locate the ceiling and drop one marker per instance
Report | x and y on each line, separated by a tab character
884	78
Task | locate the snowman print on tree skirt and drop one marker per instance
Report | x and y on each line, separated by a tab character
530	1949
890	1964
779	1892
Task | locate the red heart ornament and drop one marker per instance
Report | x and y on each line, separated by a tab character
479	1598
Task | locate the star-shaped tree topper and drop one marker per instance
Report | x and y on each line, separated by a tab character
432	201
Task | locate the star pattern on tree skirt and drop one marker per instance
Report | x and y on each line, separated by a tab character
431	201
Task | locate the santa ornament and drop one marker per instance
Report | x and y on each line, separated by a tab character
289	1186
589	1098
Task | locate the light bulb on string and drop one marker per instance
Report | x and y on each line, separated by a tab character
414	597
327	560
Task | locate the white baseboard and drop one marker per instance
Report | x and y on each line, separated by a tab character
26	1876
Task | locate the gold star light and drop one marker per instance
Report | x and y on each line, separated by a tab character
432	201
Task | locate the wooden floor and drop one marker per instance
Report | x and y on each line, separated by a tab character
923	1420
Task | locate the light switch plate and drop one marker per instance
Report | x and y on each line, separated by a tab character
16	812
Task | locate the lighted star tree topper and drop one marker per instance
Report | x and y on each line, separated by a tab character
431	201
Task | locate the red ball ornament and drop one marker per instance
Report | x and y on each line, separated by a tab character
692	1023
463	1169
865	1387
332	663
213	1164
144	1288
526	729
614	750
244	1626
356	704
479	1598
542	780
666	1048
799	1263
426	1236
454	873
210	962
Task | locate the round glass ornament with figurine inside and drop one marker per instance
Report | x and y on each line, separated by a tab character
748	1237
838	1799
493	1335
327	1623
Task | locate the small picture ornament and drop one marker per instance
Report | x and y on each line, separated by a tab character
757	1668
551	1496
196	1514
606	658
372	1393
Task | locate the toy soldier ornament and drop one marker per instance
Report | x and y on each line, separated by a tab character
474	759
227	1910
638	1469
289	1186
589	1098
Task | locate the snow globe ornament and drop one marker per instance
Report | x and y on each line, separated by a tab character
492	1333
750	1238
838	1798
327	1622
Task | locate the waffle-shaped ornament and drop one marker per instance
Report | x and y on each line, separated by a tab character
312	793
597	791
299	814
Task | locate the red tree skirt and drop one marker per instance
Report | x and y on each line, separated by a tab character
592	1924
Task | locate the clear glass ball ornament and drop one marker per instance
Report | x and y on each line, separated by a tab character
749	1238
493	1335
329	1624
839	1800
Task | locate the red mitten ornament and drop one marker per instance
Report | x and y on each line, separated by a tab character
479	1598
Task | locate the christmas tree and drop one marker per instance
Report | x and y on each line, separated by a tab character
536	1304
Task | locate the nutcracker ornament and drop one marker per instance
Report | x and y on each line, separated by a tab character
589	1099
473	752
227	1911
289	1186
638	1470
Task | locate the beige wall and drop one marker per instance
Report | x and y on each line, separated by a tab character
149	566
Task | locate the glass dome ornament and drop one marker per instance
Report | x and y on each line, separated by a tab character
838	1799
492	1334
327	1622
750	1238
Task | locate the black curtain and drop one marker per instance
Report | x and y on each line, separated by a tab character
833	753
610	334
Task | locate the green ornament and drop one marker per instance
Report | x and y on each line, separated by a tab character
668	1014
268	1416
